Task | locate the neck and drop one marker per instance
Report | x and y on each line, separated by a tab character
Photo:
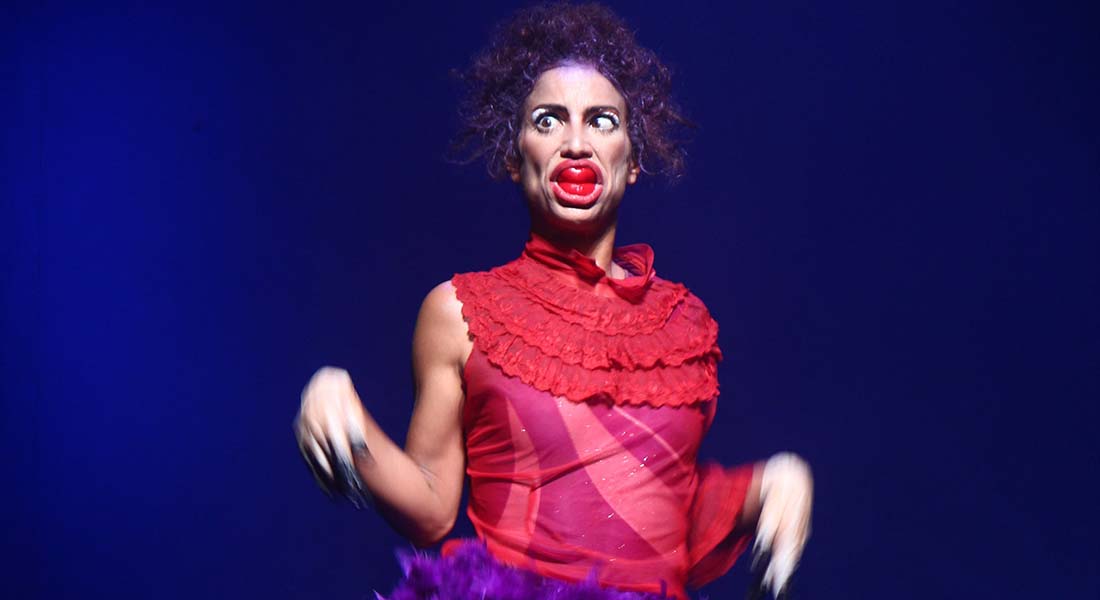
597	247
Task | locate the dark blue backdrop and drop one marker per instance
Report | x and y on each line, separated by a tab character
892	212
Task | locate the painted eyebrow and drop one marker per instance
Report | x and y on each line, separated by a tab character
597	110
588	113
554	108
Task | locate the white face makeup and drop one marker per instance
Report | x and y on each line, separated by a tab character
575	151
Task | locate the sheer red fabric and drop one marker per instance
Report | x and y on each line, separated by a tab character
586	401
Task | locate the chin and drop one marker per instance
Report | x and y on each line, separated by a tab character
559	217
577	221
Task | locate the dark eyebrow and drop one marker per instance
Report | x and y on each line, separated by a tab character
588	113
557	108
595	110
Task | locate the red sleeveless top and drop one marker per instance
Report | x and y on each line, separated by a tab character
586	401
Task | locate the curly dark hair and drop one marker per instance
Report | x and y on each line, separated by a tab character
542	37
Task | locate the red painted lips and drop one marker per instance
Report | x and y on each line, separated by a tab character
577	180
577	183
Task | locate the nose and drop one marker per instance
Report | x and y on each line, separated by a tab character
575	144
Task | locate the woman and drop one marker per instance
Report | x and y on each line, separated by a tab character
572	385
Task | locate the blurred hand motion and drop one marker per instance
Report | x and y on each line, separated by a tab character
786	497
329	428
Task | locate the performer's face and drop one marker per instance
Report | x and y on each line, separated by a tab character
575	151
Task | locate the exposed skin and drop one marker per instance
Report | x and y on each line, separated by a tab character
572	113
417	489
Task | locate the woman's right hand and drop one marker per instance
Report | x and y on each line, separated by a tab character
417	489
330	432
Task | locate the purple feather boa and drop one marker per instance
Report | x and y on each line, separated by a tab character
470	573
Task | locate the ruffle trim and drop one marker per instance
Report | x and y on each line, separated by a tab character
577	304
570	342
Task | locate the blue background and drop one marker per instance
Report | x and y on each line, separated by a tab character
891	210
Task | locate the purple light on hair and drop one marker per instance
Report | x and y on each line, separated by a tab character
542	37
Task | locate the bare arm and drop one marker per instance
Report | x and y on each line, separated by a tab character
417	489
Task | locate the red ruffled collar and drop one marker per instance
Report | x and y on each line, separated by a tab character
636	259
555	320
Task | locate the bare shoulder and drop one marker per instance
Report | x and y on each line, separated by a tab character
441	307
440	329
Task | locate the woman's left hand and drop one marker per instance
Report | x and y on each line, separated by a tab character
786	498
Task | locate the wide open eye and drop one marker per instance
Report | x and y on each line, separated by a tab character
544	120
605	122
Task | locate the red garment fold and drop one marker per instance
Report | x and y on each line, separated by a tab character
716	538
